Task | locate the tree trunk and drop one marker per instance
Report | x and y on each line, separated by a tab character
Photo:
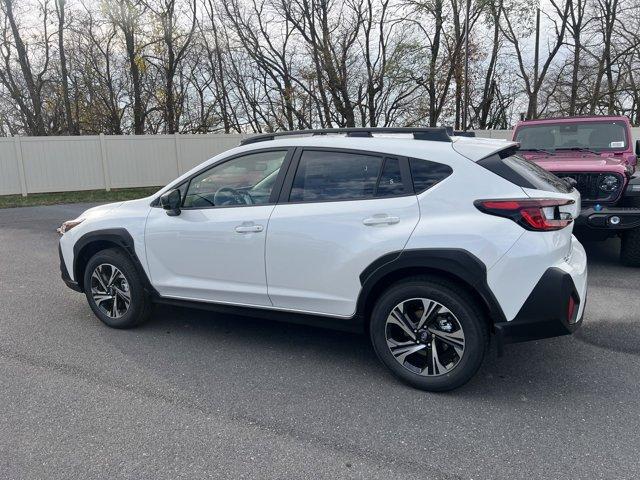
71	128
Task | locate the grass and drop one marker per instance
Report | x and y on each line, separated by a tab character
85	196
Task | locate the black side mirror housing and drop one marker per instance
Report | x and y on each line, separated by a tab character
171	202
638	148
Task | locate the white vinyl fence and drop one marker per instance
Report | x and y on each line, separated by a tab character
62	164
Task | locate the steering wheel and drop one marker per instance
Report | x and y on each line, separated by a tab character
202	197
228	196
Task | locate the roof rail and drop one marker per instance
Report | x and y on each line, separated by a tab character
459	133
464	133
436	134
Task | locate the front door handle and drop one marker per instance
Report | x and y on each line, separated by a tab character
381	219
248	228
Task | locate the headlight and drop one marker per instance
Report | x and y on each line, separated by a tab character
68	225
609	183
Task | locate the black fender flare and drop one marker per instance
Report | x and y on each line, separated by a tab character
453	262
117	236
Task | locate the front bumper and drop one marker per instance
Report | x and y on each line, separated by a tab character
546	312
609	218
64	273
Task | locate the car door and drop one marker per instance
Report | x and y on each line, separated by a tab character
214	249
339	211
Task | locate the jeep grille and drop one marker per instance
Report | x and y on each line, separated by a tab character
588	184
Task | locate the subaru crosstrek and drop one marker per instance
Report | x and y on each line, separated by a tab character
430	243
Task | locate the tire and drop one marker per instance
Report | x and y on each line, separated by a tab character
630	249
458	314
126	280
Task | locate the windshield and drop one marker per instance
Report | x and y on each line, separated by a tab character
598	136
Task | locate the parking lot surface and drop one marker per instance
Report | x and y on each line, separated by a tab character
193	394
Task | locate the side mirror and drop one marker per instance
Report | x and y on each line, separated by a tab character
171	202
638	148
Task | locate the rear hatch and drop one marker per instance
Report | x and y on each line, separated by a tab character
543	183
501	158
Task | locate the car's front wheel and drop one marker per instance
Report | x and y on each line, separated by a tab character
429	333
114	290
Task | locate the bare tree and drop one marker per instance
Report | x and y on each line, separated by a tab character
126	14
534	78
30	104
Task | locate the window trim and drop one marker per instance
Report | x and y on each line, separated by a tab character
285	193
275	191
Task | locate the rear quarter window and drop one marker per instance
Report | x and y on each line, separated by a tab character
524	173
426	174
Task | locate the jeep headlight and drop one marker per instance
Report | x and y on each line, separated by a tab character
609	183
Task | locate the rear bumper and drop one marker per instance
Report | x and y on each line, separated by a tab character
609	218
64	273
547	312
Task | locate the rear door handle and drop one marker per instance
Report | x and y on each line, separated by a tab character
248	228
381	219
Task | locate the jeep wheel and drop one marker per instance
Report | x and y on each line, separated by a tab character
630	249
114	290
429	334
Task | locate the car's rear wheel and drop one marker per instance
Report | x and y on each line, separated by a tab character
114	290
429	333
630	248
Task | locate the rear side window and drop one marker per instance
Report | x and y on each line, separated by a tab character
329	176
524	173
390	183
426	174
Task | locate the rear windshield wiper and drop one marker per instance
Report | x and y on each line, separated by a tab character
540	150
578	149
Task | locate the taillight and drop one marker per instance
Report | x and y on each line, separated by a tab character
540	215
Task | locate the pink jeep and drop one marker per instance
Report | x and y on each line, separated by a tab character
595	155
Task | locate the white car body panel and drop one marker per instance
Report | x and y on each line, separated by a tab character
513	278
478	148
198	255
130	215
317	251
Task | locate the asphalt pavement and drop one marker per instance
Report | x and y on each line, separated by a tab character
193	394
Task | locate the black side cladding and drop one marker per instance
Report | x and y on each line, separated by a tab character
545	312
455	262
119	237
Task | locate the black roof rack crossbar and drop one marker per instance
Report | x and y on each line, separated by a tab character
436	134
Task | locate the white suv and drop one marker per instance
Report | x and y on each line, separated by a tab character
429	242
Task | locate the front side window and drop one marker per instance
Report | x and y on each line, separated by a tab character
599	136
246	180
